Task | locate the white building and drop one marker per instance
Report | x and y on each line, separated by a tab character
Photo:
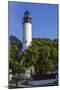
27	36
27	31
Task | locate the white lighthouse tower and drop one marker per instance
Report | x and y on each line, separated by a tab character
27	31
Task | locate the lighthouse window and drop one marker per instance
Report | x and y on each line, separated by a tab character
25	41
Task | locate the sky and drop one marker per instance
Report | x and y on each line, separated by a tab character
44	19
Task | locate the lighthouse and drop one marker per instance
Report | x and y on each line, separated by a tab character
27	30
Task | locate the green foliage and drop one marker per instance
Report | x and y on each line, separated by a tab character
43	55
14	54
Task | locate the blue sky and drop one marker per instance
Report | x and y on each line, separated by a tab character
44	19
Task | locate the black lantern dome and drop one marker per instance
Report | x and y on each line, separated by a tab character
27	17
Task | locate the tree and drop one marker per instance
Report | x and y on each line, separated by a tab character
39	55
42	55
54	56
26	57
14	54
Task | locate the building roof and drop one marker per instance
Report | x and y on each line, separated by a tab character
27	13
